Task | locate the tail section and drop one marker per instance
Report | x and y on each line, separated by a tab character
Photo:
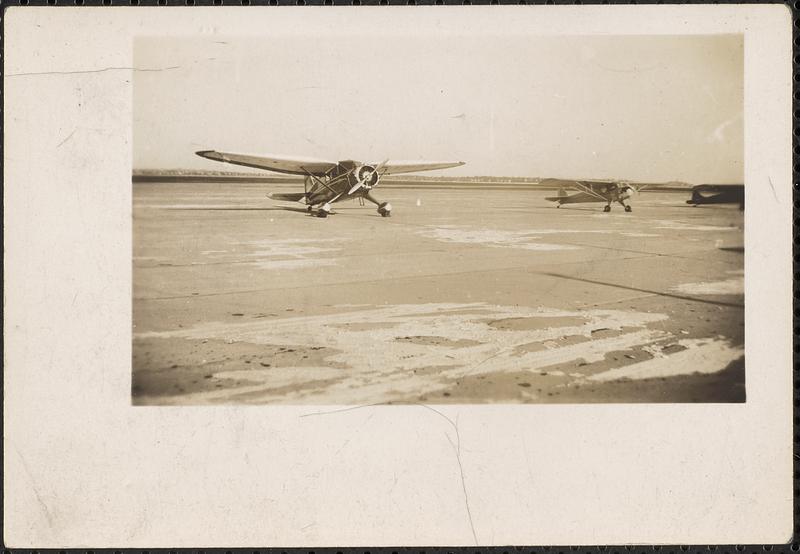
562	195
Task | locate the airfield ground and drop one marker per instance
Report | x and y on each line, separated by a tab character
464	295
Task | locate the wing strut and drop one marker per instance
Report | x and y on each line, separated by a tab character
589	190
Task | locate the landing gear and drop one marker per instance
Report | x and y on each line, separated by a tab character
309	209
385	209
628	208
324	210
607	209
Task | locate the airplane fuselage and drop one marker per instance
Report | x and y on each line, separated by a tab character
717	194
334	186
592	191
602	193
348	179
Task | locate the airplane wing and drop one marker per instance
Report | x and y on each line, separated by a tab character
279	164
580	185
395	167
585	188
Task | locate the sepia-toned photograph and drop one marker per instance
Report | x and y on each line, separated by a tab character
441	220
397	276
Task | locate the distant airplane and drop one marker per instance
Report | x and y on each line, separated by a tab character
717	194
593	191
327	182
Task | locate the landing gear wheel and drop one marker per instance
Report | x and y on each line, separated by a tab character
322	213
385	209
628	209
309	209
606	209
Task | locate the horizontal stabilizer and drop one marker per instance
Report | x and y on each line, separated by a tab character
287	196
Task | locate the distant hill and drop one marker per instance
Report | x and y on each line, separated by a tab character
405	180
152	175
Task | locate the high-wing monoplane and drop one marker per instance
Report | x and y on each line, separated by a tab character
327	182
592	191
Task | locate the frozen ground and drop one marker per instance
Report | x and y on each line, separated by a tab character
462	296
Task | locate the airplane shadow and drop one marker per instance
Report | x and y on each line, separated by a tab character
277	208
586	209
353	210
527	209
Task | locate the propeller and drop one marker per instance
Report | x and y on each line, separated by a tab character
365	178
627	190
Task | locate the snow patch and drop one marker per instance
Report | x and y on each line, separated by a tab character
279	254
524	240
700	356
682	226
380	366
733	286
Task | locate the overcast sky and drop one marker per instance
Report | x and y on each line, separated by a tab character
644	108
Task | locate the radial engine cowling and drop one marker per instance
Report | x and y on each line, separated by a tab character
625	192
367	176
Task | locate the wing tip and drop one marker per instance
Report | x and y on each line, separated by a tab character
448	165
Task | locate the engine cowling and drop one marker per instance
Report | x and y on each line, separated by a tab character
626	192
367	176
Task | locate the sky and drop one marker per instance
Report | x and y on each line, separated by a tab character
647	108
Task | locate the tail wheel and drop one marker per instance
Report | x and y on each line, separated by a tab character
385	209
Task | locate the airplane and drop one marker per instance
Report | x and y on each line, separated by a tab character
717	194
593	191
327	182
